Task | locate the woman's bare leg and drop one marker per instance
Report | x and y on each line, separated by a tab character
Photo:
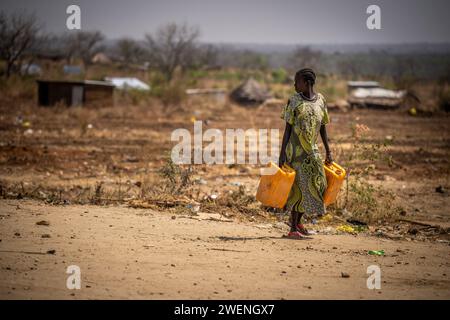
294	219
299	218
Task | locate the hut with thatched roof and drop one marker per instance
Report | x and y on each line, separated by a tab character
250	92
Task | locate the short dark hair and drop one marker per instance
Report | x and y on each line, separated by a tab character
307	74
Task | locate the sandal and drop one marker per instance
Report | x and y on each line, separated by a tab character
301	228
295	235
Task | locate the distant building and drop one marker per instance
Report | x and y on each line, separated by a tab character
70	69
353	85
74	93
101	58
31	69
250	92
369	94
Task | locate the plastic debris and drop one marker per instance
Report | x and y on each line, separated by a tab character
28	132
346	229
326	218
211	197
201	181
194	208
376	252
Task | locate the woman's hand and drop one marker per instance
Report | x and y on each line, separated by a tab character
329	158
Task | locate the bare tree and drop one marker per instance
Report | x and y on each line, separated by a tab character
208	56
403	71
84	45
349	68
129	51
173	46
305	57
251	60
18	33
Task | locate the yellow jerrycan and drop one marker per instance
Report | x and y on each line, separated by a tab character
335	178
274	188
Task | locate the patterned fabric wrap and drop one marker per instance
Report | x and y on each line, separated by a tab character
302	153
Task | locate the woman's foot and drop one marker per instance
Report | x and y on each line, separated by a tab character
295	235
301	228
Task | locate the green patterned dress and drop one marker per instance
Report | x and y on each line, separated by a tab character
302	153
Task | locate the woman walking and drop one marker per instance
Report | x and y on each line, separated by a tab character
306	116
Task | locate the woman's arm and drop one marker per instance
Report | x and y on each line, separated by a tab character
286	135
323	134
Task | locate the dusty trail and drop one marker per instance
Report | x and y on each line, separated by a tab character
129	253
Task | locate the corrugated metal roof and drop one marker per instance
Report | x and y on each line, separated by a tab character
364	93
128	82
363	84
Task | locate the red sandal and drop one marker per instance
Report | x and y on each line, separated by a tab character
301	228
295	235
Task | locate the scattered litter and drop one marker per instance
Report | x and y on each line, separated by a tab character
345	275
327	230
440	189
201	181
412	112
326	218
193	208
43	223
208	216
28	132
376	252
18	120
346	229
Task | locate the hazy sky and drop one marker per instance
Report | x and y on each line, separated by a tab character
255	21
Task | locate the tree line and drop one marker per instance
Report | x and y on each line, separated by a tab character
177	46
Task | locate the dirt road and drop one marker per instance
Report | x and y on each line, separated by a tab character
126	253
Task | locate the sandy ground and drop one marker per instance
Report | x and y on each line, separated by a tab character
129	253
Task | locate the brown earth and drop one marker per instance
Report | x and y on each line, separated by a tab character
128	253
59	156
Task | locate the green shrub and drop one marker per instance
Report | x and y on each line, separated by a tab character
279	75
